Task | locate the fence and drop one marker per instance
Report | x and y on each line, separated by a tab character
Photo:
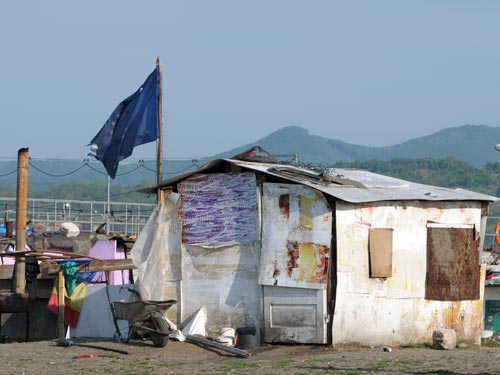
116	217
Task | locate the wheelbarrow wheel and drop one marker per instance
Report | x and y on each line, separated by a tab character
160	325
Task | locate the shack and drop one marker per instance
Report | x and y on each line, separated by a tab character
101	260
332	256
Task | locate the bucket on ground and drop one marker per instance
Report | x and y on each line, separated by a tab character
246	338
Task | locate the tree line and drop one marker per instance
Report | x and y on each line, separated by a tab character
86	191
445	172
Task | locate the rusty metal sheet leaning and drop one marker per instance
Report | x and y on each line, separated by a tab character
452	265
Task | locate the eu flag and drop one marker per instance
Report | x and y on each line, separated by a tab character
133	123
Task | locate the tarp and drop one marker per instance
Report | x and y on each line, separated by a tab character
150	252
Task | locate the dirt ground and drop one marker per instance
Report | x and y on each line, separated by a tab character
44	357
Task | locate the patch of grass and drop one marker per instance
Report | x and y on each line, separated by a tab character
436	372
381	365
490	343
320	361
410	362
238	366
285	363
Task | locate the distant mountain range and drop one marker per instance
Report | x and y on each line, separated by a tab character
473	144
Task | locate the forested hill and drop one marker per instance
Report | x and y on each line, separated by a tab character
456	157
473	144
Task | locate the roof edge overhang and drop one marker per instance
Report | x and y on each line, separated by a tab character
350	192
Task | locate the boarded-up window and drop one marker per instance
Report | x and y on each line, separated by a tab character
380	245
452	264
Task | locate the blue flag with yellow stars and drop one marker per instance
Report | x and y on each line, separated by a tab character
133	123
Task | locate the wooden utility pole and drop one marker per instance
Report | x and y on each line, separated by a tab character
61	334
21	214
159	156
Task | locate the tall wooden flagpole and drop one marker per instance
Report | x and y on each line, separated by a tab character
159	157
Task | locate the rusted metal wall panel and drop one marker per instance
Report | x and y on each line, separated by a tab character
383	311
452	264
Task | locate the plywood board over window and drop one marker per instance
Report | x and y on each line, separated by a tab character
380	246
452	264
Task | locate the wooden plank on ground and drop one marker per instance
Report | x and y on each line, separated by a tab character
207	342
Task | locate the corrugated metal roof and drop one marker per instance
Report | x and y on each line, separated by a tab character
350	185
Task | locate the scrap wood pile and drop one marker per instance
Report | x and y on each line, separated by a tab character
50	260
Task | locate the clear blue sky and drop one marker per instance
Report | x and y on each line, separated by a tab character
372	73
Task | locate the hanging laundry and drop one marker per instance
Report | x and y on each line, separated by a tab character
72	303
32	271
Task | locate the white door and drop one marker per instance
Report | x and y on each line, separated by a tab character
295	315
296	240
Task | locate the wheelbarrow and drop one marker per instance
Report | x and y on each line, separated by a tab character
146	319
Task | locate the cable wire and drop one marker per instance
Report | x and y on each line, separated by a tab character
8	174
95	169
128	172
56	175
180	171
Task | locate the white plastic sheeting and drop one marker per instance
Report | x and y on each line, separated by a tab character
96	317
150	253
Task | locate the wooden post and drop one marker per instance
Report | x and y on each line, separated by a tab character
159	157
61	334
21	213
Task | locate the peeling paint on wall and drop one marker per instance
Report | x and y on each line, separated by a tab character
308	262
296	237
393	310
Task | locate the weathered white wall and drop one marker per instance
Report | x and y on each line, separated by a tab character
224	280
393	311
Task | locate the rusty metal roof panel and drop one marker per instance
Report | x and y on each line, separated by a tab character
349	185
358	186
